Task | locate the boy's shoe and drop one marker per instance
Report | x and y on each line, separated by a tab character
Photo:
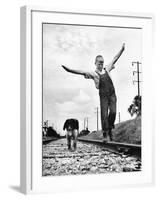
105	136
69	147
104	140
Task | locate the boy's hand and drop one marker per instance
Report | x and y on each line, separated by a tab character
64	67
123	47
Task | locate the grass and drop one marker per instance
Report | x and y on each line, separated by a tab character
127	132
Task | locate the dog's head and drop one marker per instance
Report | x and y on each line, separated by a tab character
71	124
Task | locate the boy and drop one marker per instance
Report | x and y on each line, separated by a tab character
104	84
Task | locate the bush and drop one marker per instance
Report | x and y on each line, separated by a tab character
135	107
52	133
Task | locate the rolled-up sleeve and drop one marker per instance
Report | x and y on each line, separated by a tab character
109	67
94	76
89	75
96	81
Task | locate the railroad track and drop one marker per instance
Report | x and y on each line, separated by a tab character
91	157
49	139
117	147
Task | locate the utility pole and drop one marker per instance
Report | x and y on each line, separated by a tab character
97	116
138	75
119	117
53	126
86	122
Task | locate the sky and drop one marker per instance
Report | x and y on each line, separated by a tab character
67	95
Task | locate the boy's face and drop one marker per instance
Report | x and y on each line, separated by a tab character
99	63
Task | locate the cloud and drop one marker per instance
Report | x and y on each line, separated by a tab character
79	107
79	104
73	39
82	97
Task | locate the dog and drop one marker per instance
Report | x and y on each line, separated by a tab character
72	129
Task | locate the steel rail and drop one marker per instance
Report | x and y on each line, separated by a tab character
49	139
121	148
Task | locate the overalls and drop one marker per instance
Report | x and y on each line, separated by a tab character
107	102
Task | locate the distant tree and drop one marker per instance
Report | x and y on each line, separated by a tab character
52	133
84	132
135	107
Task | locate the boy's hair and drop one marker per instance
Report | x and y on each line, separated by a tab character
98	57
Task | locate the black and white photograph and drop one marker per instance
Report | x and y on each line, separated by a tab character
91	99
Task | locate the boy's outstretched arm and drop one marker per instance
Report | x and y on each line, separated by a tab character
118	54
111	65
79	72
